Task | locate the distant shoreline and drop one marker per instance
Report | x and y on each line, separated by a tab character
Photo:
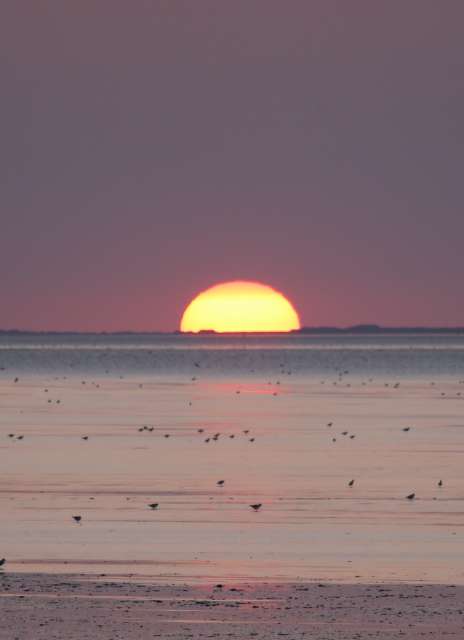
361	329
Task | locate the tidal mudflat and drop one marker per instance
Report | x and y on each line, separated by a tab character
331	452
40	607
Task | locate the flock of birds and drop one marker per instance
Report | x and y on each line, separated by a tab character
154	506
220	483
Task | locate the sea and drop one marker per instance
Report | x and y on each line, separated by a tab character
328	433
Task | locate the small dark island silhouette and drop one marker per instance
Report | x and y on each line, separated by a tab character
375	328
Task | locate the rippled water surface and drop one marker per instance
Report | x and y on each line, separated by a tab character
397	355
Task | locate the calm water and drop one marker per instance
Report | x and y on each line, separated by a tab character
284	421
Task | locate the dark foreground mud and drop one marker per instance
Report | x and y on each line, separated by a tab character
45	607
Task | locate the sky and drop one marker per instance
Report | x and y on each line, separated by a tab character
151	149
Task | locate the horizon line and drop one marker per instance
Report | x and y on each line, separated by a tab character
357	328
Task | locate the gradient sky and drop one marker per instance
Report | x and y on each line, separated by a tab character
150	149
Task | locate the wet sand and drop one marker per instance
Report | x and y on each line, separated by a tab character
41	606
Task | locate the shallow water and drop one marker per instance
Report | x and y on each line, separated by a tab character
284	391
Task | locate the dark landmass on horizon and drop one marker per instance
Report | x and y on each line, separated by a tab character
360	329
374	328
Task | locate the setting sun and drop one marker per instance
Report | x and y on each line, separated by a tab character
239	307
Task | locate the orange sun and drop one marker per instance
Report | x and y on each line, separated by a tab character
239	307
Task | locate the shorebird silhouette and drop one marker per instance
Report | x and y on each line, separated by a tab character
411	496
220	483
351	483
200	430
154	505
406	428
77	519
257	506
85	437
2	562
329	424
440	483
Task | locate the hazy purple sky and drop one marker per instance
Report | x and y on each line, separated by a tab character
151	149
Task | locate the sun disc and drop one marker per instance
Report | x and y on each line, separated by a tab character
240	306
